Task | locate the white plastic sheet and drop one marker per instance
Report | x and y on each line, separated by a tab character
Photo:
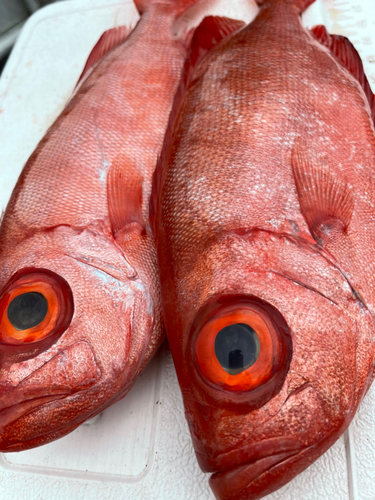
140	448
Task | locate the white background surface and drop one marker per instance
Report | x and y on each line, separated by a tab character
140	448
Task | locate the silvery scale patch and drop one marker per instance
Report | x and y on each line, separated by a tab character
140	448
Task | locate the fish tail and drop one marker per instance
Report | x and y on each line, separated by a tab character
301	4
178	7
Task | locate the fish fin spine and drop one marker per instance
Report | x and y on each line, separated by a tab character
124	192
178	7
325	198
344	52
211	31
108	41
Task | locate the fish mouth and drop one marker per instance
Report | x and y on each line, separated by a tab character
250	454
11	412
69	372
236	469
229	484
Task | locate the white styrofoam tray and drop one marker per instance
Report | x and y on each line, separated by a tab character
140	448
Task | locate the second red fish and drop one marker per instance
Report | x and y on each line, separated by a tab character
265	222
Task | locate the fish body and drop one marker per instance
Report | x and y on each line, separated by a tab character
264	217
80	313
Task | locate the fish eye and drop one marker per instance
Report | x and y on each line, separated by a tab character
27	310
237	347
242	346
35	303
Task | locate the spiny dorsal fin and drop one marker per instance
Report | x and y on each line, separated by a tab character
325	198
347	56
108	41
124	191
301	4
210	32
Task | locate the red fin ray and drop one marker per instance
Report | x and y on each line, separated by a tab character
325	198
210	32
347	56
109	40
124	189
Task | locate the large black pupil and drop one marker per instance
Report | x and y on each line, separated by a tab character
27	310
237	347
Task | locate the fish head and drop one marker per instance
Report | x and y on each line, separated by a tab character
75	328
273	359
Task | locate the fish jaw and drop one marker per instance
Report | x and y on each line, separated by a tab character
72	370
267	474
263	477
230	485
332	336
47	391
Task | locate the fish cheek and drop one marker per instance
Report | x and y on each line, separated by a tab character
117	323
304	416
325	342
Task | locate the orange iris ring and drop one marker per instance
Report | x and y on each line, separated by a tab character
11	335
257	374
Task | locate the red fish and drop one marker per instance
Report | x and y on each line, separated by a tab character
80	313
264	213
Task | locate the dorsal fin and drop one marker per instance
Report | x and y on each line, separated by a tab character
325	198
124	191
210	32
108	41
347	56
301	4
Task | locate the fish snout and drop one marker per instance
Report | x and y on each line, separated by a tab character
240	483
72	370
239	468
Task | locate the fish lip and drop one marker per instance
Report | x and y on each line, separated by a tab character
229	484
249	454
10	414
43	394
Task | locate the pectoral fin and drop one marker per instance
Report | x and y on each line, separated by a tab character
325	198
124	190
